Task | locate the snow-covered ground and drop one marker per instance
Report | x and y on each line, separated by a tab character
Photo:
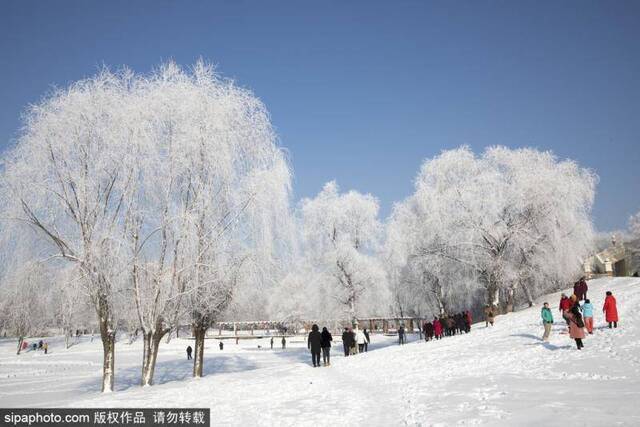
503	375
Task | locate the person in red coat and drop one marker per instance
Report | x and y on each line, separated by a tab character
610	309
565	306
565	303
437	328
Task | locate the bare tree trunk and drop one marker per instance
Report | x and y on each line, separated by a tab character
108	336
493	294
511	291
108	364
352	310
437	291
199	332
527	294
399	303
20	339
66	338
151	343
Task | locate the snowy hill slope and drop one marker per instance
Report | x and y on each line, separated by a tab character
503	375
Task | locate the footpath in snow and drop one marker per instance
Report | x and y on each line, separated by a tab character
503	375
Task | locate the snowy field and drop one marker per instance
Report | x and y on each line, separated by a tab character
503	375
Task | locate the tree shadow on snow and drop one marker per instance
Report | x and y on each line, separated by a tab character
179	370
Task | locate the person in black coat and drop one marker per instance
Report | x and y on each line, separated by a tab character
314	343
189	351
367	339
325	343
460	324
428	331
346	341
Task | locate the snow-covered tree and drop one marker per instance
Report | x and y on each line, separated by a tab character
156	188
633	242
508	220
66	180
70	306
25	306
634	226
341	232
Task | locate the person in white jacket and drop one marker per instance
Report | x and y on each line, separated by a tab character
361	340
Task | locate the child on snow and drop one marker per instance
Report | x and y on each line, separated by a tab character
587	313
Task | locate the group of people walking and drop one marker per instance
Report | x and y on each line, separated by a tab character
320	342
353	342
577	311
447	325
40	345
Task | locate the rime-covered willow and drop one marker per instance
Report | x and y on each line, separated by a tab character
158	188
506	221
341	234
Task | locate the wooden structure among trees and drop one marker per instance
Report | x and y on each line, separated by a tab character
262	328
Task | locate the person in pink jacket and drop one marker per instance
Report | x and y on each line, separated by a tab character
576	325
610	310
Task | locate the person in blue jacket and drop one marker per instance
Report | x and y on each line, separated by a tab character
587	314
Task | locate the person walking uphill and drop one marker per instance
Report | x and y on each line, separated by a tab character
610	310
547	321
326	339
314	343
565	306
489	315
580	289
565	303
587	314
576	325
189	351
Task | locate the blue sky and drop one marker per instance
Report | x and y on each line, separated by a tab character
362	92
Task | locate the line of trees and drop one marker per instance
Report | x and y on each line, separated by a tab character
164	199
